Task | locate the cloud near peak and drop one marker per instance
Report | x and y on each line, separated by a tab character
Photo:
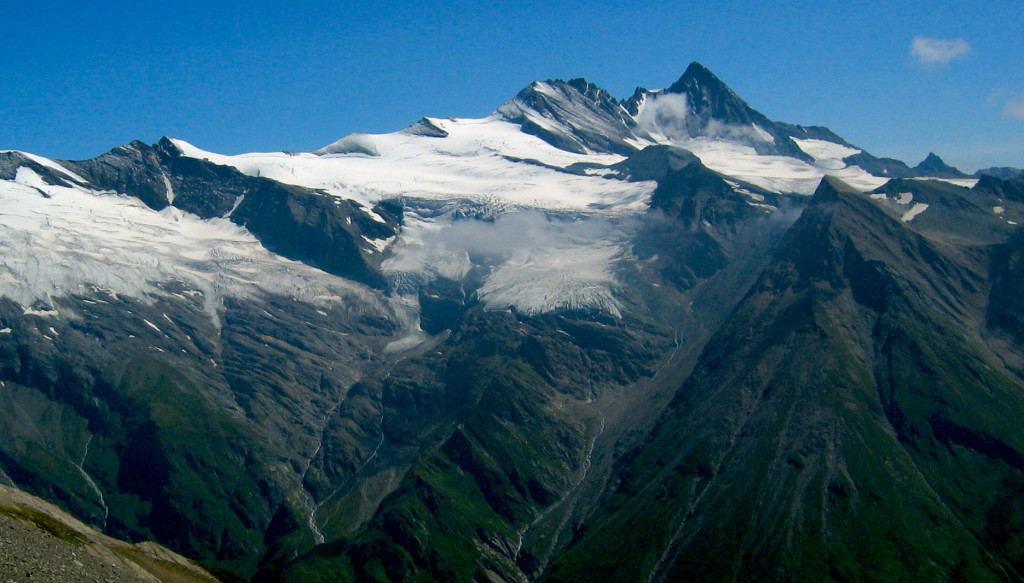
937	52
1015	107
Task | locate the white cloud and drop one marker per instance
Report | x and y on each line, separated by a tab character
1015	107
937	52
665	114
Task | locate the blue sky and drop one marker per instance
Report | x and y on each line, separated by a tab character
80	78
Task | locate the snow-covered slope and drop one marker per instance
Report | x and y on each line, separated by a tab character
483	167
57	241
482	160
552	149
781	174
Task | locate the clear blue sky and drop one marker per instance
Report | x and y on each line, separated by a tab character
79	78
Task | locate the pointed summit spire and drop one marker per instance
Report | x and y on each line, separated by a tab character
697	74
935	167
710	98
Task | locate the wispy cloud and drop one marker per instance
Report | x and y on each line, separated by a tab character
665	114
937	52
1015	107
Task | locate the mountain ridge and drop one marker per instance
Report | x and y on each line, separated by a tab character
567	341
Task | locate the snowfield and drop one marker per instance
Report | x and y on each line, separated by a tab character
480	159
58	241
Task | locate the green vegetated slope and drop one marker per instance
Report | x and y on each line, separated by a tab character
856	418
502	417
196	435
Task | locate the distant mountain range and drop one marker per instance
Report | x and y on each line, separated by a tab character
661	338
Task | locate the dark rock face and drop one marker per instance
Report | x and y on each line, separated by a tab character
817	414
581	117
655	163
887	167
1002	172
932	165
712	102
11	161
425	127
1006	308
585	116
1008	189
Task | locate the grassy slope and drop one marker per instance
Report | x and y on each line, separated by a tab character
845	424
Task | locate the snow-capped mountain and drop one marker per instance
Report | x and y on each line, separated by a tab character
564	341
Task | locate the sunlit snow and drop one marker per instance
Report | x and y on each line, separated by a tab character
478	163
78	240
663	119
826	154
775	173
82	242
475	162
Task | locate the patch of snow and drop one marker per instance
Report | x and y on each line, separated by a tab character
915	210
998	210
826	154
765	136
421	254
905	197
353	144
538	264
29	177
639	143
167	187
234	206
379	244
879	196
152	325
52	165
964	182
6	331
407	310
547	89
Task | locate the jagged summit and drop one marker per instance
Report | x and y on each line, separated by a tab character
709	98
576	116
696	73
934	166
699	112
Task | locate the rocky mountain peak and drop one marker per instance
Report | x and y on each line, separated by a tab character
934	166
710	98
